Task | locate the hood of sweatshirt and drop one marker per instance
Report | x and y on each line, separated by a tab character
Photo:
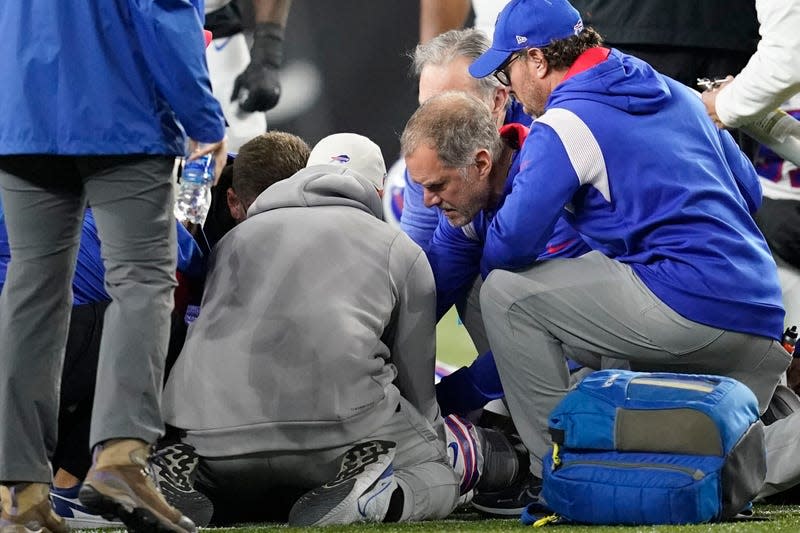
621	81
321	185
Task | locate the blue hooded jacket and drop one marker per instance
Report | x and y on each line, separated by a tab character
650	182
455	253
104	77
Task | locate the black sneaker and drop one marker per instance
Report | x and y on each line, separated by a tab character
510	501
174	468
505	460
361	492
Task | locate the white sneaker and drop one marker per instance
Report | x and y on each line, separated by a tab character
66	504
361	491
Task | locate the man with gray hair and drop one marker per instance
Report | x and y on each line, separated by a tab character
466	168
441	65
317	325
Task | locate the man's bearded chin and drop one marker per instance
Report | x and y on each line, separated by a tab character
461	218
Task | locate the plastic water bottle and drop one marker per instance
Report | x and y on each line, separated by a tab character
779	131
194	193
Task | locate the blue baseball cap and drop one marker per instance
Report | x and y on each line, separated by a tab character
527	24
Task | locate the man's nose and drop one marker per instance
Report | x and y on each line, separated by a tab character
430	199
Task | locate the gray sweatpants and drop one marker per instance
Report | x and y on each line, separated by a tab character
594	306
44	199
430	485
782	440
472	319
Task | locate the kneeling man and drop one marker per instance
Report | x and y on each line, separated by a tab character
306	384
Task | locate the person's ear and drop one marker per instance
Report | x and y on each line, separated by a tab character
538	63
235	205
483	162
500	100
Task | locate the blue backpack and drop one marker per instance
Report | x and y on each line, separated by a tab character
654	448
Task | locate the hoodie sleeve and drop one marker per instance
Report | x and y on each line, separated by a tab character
190	257
772	75
171	34
746	177
413	349
454	255
416	220
545	183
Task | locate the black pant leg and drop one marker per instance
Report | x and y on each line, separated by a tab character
77	389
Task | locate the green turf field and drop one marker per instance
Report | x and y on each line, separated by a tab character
454	347
778	519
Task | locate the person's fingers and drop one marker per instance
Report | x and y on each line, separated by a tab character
202	149
220	158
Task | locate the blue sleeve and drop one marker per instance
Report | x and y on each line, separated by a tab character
5	249
190	258
455	261
416	220
743	171
200	6
545	183
170	34
564	242
88	283
515	113
470	388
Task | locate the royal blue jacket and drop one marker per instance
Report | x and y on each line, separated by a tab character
455	253
650	182
104	77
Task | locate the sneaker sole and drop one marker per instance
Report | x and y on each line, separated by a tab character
197	506
136	519
88	523
16	528
312	508
497	512
319	505
173	469
359	457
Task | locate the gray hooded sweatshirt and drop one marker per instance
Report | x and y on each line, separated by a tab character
316	317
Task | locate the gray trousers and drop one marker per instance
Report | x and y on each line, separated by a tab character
471	316
44	198
782	439
421	468
594	306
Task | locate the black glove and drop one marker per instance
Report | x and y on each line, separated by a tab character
258	88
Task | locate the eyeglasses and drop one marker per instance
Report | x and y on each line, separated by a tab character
501	74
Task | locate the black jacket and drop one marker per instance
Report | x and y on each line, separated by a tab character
722	24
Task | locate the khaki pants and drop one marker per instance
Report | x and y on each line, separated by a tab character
594	306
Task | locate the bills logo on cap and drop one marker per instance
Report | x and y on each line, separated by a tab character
578	27
342	158
521	39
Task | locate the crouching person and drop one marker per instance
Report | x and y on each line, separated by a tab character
306	385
